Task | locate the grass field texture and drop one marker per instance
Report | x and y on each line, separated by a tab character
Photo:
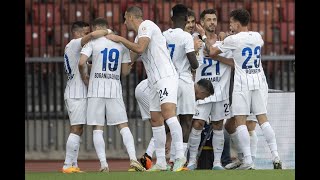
185	175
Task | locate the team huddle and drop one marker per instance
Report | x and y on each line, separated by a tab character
189	70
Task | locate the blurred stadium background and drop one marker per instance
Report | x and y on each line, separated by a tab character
47	31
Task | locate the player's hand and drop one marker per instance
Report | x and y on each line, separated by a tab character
114	37
222	36
197	44
200	29
86	80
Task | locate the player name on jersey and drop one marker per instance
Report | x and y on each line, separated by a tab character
107	76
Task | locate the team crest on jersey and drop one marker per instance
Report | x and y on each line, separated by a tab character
197	112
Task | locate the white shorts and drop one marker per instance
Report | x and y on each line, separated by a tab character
142	92
163	91
254	101
101	108
77	110
218	110
186	97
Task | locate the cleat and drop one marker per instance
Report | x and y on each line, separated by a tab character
132	170
179	164
217	167
192	167
185	169
277	164
105	169
146	161
157	167
69	170
78	169
233	165
136	165
245	166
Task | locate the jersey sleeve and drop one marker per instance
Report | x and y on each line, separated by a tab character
87	49
189	44
76	44
145	30
126	55
228	44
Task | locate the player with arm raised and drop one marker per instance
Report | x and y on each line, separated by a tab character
181	47
75	94
163	79
105	101
250	90
216	106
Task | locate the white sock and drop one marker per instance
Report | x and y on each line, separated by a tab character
234	140
150	148
100	147
217	143
194	142
185	149
72	149
159	134
270	138
128	141
244	143
176	134
172	153
253	144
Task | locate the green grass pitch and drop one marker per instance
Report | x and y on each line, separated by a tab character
185	175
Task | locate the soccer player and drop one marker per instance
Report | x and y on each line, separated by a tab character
217	105
181	47
105	101
203	88
75	94
163	80
250	90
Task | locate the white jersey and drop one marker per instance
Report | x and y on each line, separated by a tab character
246	51
180	43
75	87
107	57
218	73
156	57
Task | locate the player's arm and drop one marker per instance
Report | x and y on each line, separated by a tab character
83	69
94	35
138	47
193	60
127	62
125	69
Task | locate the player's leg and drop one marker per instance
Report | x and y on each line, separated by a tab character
219	111
168	89
251	125
230	127
116	115
199	119
226	156
186	109
261	97
96	118
241	108
77	115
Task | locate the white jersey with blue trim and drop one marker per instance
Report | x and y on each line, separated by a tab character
246	52
107	57
218	73
75	87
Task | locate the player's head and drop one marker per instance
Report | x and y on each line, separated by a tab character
209	20
133	13
191	21
80	29
99	23
239	18
203	88
179	14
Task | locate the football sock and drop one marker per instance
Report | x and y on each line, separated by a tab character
100	146
176	134
72	148
128	141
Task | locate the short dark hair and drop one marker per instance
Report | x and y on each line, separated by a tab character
207	85
191	13
179	10
136	11
100	22
78	25
207	11
241	15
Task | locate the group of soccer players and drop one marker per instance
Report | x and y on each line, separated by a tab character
188	79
